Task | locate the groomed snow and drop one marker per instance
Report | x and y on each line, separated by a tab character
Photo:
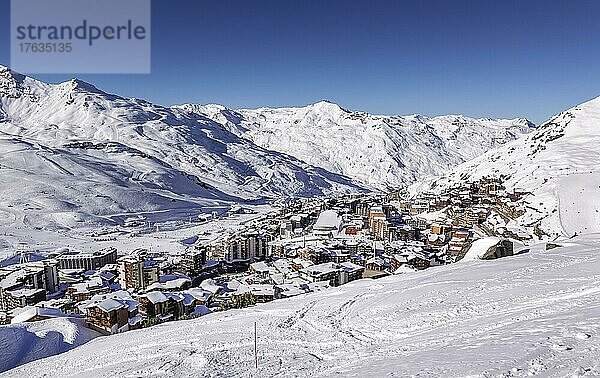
537	313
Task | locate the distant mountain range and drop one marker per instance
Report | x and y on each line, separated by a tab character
74	154
382	152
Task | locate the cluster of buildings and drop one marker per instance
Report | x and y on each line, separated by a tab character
113	293
307	245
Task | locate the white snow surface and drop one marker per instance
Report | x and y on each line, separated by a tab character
21	343
479	247
536	313
80	154
378	151
558	163
73	157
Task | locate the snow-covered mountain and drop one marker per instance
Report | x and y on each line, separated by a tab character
72	153
379	151
535	313
559	163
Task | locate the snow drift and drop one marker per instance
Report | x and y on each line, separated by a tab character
22	343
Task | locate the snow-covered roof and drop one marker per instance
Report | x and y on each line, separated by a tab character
199	294
278	278
202	310
262	290
13	279
156	297
328	220
479	247
25	314
135	319
109	305
176	284
351	267
302	262
322	269
210	285
377	261
405	269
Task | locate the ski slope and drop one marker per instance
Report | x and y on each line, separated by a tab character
535	313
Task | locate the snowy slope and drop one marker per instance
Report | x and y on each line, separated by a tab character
72	154
559	163
535	313
379	151
57	116
21	343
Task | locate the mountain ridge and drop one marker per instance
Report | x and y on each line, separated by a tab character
384	152
83	156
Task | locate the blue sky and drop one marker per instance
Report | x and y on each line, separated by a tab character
479	58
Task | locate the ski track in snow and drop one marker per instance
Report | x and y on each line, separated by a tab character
533	313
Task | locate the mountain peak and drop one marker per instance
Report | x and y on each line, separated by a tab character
328	107
82	86
11	82
7	74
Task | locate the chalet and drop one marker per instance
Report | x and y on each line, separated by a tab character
288	290
171	283
377	264
110	313
436	240
321	272
334	274
87	289
263	292
262	270
458	241
195	297
163	305
408	257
